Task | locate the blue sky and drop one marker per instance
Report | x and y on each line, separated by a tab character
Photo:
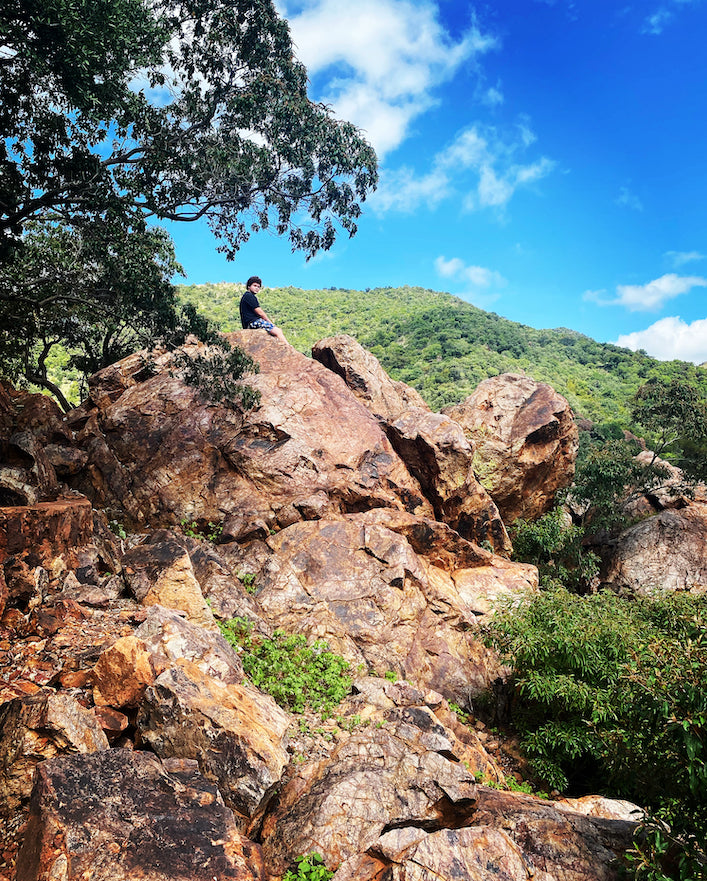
543	159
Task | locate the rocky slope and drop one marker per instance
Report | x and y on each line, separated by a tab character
132	744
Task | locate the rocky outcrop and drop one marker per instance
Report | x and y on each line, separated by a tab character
47	529
161	453
34	729
526	442
404	773
161	573
121	815
665	552
360	586
363	374
432	446
509	837
436	452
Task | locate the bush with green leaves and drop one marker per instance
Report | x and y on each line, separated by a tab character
309	868
556	548
296	675
610	695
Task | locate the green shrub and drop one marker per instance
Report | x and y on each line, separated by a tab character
297	676
309	868
555	547
613	690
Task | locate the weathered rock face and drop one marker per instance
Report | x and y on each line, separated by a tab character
401	774
123	816
161	573
235	732
360	586
162	454
437	453
510	837
168	637
432	446
363	374
48	529
664	552
33	729
526	442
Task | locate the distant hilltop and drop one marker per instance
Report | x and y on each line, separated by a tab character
444	346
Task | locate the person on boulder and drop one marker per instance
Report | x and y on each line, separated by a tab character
253	316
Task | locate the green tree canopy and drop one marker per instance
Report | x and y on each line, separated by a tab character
175	110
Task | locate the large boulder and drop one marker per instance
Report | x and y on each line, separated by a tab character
161	573
122	815
432	446
162	453
359	585
437	453
235	732
33	729
386	398
526	442
509	837
404	772
665	552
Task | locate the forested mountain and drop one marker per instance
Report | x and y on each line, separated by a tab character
444	346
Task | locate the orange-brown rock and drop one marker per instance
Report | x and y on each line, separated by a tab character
235	732
438	454
510	837
162	453
404	773
362	588
386	398
526	442
47	529
161	573
33	729
168	638
665	552
122	816
122	674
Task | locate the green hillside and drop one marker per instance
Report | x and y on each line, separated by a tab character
444	346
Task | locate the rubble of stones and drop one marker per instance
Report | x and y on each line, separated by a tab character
133	745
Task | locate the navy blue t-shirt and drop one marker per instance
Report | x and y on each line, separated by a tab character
249	303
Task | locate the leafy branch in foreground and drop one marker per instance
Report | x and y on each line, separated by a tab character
218	375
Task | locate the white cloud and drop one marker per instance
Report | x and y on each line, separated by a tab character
402	190
493	96
380	60
655	23
480	165
670	338
629	200
648	297
477	276
652	296
680	258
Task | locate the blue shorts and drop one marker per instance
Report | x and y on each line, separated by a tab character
260	324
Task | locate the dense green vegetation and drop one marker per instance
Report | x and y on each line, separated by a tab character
444	346
297	676
611	698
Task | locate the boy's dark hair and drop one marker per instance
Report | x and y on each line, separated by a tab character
252	280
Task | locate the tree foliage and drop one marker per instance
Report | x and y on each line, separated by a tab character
175	110
99	292
610	696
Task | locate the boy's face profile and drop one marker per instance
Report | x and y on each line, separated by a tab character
255	287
